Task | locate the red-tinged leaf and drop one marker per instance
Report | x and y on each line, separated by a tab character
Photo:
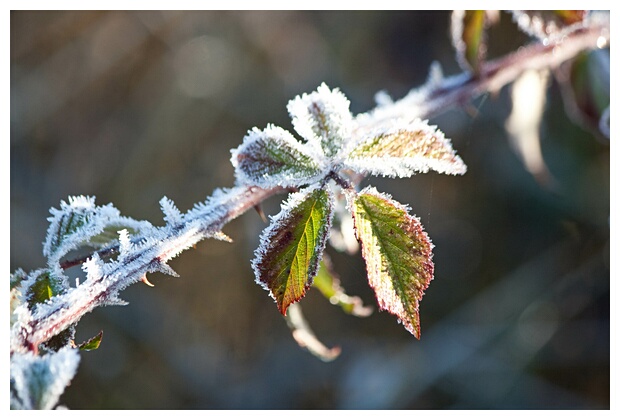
397	252
291	247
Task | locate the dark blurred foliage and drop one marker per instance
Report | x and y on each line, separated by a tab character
132	106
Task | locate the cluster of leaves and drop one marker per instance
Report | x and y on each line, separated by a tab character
322	166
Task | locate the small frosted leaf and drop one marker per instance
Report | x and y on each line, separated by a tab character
80	223
468	38
404	149
37	382
291	247
549	24
273	157
397	252
44	287
322	117
66	223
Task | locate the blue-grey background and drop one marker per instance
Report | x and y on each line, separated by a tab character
133	106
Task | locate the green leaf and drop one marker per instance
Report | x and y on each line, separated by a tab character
44	287
397	252
468	38
273	157
587	92
403	149
291	247
93	343
65	225
328	284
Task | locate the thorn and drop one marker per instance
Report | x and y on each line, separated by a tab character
146	281
166	269
260	212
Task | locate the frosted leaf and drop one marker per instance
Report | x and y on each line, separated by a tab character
404	148
469	38
290	249
274	157
37	382
397	252
80	223
322	117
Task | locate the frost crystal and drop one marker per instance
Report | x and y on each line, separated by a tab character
172	215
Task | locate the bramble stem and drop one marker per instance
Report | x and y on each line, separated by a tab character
429	100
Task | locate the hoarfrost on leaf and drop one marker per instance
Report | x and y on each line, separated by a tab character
274	157
37	382
290	249
397	252
81	223
403	148
322	117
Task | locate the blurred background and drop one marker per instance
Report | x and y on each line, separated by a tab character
133	106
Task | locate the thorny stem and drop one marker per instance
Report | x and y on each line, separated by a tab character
439	96
430	100
51	320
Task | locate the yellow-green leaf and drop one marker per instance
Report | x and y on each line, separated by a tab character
291	247
93	343
468	38
404	148
397	252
